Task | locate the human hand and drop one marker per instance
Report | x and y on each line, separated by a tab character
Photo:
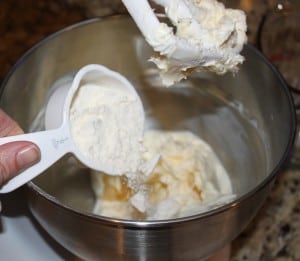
14	156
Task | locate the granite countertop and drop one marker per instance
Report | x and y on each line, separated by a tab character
274	234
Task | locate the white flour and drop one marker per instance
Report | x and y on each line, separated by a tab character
107	126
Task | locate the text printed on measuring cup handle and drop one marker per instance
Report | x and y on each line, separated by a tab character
57	142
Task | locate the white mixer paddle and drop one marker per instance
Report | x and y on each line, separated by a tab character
203	36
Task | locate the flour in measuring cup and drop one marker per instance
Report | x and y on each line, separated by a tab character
107	126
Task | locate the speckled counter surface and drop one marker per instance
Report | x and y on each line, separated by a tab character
274	234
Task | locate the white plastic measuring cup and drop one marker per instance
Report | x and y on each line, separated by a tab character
55	143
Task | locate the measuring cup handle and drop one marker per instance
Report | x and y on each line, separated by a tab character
53	145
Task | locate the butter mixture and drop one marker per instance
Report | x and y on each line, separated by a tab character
188	179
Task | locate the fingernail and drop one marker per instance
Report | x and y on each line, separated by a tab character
27	157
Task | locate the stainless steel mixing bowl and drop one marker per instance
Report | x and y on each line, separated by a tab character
248	119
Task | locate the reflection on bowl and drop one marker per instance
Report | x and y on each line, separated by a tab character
238	116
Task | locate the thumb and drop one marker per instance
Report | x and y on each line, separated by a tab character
16	157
